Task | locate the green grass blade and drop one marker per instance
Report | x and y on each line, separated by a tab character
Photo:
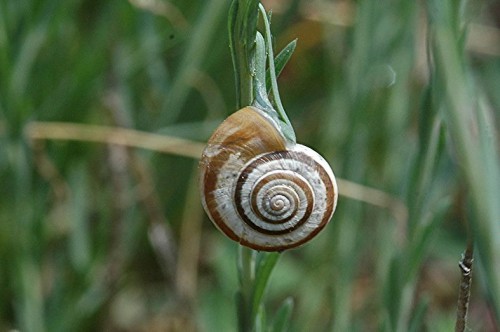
243	17
462	114
418	319
264	266
282	319
260	320
281	60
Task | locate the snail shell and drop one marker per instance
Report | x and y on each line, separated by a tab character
260	190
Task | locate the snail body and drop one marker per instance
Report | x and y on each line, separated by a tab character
261	190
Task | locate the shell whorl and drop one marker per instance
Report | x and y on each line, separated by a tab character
261	192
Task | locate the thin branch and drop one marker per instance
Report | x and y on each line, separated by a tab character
374	197
187	148
113	135
465	265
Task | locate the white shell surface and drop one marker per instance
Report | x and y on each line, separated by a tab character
276	200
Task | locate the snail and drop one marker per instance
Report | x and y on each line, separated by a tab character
262	190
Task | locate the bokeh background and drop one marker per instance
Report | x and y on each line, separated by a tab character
104	109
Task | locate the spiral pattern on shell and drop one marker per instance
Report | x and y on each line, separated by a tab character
259	191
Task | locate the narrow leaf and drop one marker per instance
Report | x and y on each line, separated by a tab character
260	320
282	319
417	322
265	265
251	15
260	57
233	11
281	60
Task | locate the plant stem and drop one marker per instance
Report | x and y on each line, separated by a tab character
272	70
465	265
242	26
249	58
246	271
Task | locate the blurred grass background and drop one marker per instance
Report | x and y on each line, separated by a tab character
98	235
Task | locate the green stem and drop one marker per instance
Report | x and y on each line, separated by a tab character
246	274
248	51
242	30
272	69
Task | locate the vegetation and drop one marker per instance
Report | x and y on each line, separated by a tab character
106	105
